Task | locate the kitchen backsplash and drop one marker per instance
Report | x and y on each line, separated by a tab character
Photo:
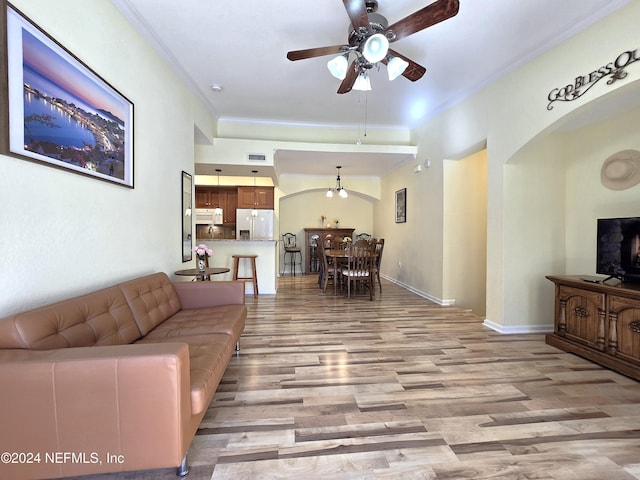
205	232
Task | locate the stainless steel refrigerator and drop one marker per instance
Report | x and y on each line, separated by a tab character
249	227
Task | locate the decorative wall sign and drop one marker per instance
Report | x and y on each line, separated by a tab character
56	110
583	83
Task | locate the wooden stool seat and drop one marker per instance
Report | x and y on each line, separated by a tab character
254	275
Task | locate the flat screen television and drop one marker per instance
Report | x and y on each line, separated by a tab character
618	249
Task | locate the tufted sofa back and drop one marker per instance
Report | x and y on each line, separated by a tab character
152	300
99	318
116	315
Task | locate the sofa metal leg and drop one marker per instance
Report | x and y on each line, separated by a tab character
238	346
183	469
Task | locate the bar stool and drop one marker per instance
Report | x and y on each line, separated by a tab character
254	275
294	252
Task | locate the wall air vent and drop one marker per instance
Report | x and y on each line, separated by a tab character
256	157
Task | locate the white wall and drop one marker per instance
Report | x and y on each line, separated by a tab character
63	234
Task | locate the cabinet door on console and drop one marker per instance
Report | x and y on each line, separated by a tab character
624	317
584	313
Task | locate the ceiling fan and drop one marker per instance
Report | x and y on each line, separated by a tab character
369	38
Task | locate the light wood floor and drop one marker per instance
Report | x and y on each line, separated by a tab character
325	388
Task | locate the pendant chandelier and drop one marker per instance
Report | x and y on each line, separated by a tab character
342	193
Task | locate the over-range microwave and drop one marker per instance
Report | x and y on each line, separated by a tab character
208	216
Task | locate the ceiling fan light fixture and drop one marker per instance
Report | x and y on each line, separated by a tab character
338	66
396	67
375	48
330	193
362	83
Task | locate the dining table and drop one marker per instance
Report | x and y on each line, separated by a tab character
202	275
340	256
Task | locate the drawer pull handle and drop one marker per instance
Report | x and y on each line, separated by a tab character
634	327
581	311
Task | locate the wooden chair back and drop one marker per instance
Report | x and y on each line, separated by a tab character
360	268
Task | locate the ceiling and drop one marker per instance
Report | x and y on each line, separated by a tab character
242	47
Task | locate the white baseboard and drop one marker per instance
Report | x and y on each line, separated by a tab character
517	329
440	301
506	330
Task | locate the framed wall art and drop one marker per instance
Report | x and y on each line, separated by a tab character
401	205
56	110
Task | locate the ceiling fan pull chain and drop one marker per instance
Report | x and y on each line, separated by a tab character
366	104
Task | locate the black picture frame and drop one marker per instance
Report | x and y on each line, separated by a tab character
56	110
401	205
186	187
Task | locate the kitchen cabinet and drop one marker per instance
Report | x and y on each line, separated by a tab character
261	199
206	197
229	203
223	197
598	322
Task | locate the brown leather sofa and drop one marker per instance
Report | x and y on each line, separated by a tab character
114	380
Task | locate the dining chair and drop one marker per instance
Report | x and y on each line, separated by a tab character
359	269
333	242
329	271
362	243
377	263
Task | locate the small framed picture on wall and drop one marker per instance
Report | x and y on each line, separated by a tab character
401	205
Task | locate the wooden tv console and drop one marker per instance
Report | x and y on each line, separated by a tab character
598	322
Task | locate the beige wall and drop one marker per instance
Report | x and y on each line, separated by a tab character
304	209
126	232
534	231
62	234
506	117
413	250
587	198
347	135
554	194
465	231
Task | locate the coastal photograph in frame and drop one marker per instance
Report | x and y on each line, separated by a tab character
401	205
60	112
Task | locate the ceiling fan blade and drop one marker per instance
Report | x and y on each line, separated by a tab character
413	72
316	52
437	12
357	14
350	79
